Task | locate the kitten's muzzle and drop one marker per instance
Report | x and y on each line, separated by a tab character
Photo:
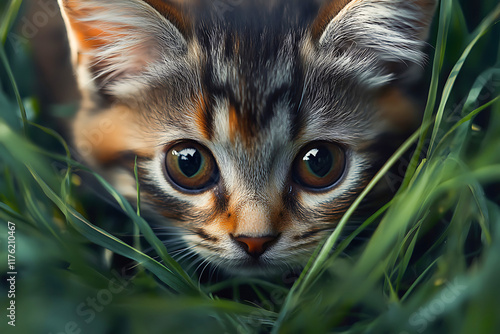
255	247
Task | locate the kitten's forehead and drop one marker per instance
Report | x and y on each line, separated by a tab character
253	106
252	72
252	80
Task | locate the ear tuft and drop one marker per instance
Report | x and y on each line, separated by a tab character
115	43
378	38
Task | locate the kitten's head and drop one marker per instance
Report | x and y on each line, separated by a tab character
254	123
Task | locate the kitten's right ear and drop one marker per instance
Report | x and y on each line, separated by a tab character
115	44
373	41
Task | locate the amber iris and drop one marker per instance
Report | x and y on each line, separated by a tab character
192	167
319	165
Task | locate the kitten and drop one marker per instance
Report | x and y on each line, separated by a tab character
255	124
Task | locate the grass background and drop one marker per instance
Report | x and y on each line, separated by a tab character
431	265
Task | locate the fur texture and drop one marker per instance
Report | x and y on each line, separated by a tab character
254	85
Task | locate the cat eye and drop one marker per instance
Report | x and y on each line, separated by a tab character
191	167
319	165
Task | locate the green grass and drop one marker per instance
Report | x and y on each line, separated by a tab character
431	265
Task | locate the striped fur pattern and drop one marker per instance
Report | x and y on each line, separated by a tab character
254	86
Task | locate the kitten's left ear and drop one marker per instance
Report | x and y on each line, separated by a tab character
374	39
116	43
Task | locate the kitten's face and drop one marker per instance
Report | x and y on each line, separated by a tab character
253	137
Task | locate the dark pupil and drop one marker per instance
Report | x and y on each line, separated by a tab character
320	161
190	162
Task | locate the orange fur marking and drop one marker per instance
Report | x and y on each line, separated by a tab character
240	127
91	38
104	137
233	123
201	116
228	222
327	13
88	37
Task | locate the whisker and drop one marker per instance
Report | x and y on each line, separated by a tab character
202	263
201	274
180	251
197	260
167	234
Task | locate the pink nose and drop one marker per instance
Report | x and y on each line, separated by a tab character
255	247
